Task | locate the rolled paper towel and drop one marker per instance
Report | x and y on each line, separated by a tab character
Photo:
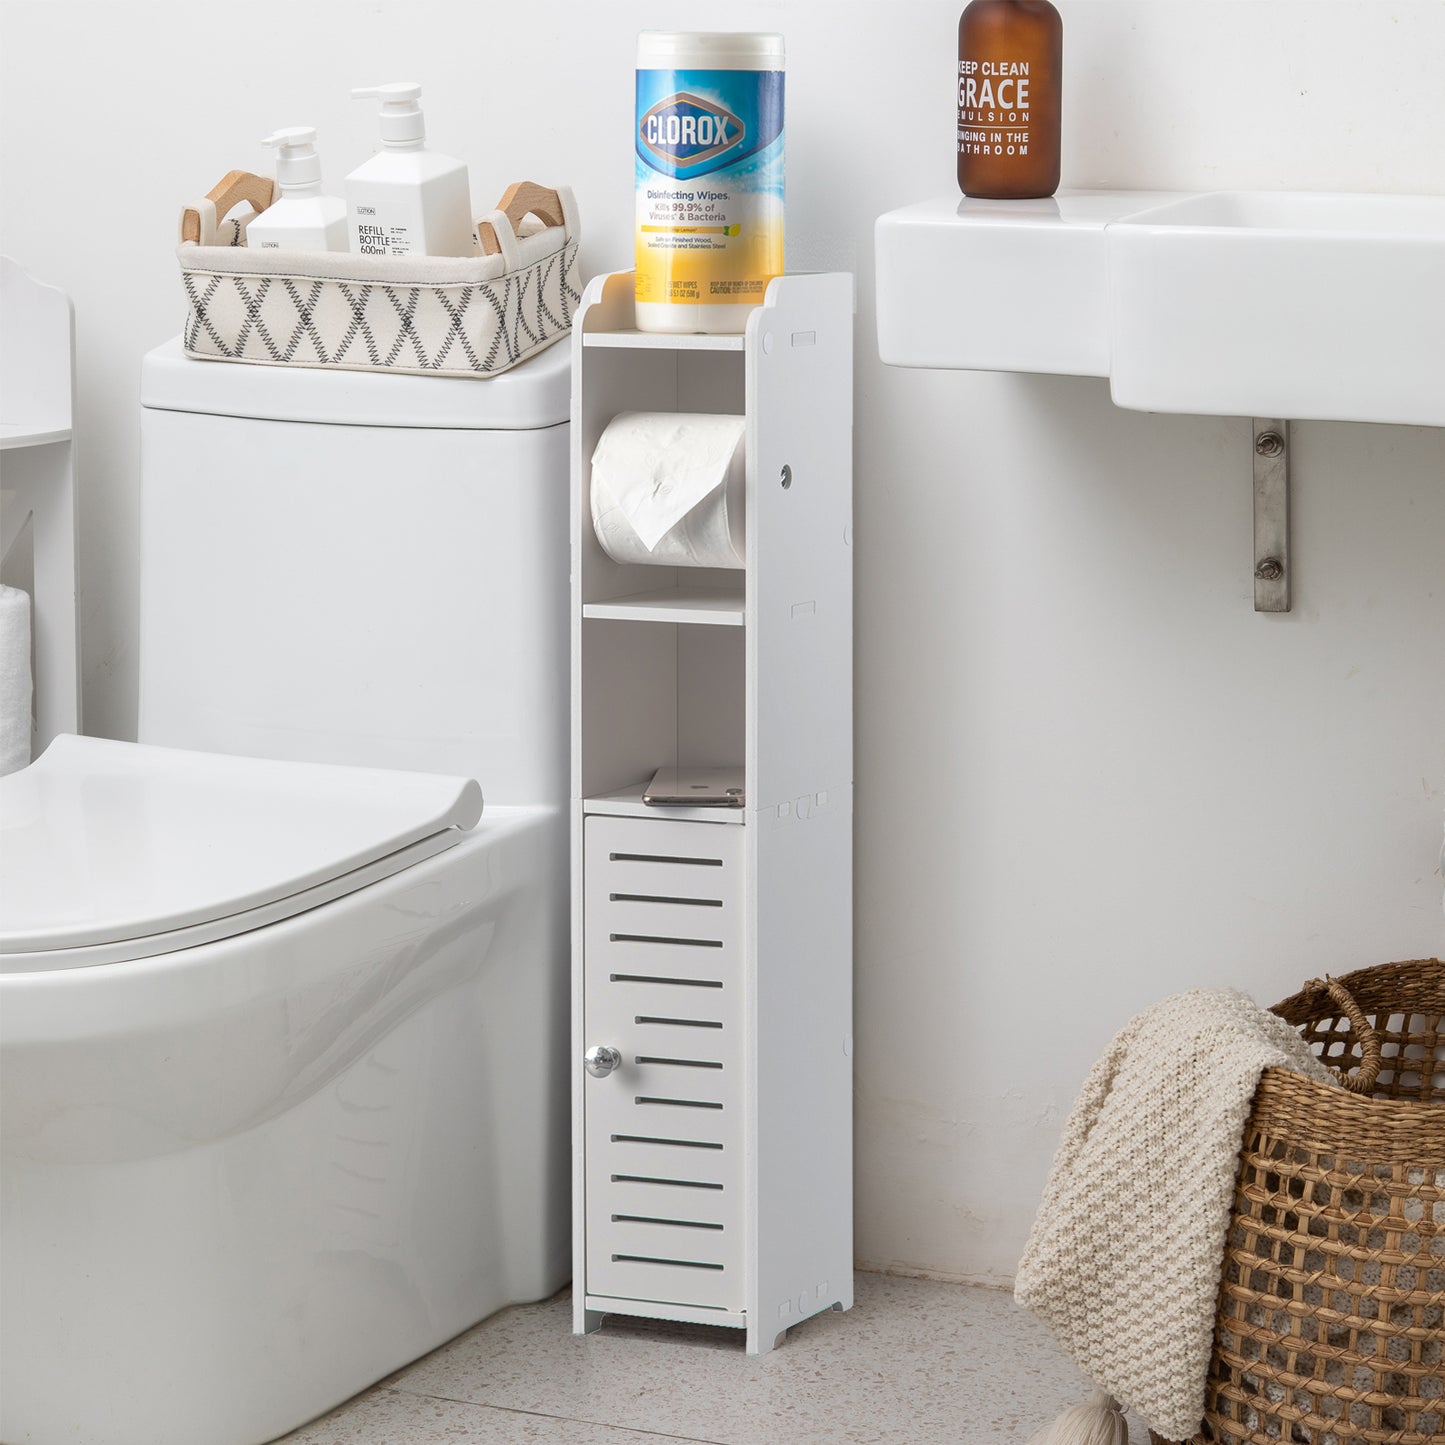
15	689
667	489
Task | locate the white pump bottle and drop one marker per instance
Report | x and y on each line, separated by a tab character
407	200
302	219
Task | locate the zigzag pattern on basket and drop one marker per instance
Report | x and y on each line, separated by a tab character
454	329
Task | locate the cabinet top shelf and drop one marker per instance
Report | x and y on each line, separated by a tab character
663	341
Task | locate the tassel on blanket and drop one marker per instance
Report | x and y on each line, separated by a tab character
1100	1422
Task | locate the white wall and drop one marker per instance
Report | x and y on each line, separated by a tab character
1088	773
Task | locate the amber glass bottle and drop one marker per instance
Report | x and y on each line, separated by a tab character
1010	80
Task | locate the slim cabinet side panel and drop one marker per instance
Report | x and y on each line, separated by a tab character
799	525
800	760
802	1006
582	1322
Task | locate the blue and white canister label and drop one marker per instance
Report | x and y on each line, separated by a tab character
709	167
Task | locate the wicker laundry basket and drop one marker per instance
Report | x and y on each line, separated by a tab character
1331	1319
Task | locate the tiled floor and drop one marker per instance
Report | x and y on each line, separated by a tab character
913	1362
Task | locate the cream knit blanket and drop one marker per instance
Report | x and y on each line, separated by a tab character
1124	1259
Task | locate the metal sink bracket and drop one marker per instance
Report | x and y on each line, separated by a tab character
1271	515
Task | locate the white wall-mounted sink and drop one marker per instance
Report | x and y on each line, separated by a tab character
1234	303
1276	303
999	285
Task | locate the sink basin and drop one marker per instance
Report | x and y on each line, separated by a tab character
1281	304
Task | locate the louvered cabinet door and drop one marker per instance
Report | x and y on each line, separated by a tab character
662	984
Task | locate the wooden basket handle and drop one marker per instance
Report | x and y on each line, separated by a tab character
521	198
1362	1081
233	188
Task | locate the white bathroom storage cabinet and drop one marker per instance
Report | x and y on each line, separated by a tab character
712	948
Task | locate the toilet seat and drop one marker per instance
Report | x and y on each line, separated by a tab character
114	851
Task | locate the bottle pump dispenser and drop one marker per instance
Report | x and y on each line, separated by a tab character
301	218
407	200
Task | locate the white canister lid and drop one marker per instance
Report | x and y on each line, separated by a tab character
709	50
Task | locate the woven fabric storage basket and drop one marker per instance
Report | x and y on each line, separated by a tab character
471	316
1331	1317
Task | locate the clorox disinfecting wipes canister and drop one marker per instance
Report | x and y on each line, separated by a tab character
709	146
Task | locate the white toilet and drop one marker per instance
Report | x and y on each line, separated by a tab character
283	1098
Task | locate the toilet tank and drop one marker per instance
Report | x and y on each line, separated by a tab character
356	568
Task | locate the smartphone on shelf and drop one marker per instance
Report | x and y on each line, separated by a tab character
695	788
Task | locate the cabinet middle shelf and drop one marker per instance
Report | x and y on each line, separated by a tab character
704	603
627	803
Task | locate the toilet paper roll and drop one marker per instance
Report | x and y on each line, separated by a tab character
15	689
668	487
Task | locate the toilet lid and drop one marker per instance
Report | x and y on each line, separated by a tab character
146	849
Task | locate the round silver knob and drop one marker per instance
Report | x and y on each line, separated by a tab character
601	1060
